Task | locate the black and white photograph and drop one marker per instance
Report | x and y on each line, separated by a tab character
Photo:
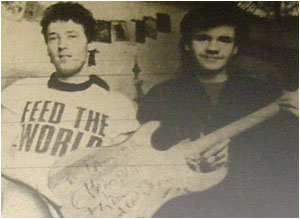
140	31
13	9
33	11
119	31
163	23
104	31
150	27
199	121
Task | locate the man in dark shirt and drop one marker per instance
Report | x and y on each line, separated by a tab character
207	95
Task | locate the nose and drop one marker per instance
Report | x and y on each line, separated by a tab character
62	44
212	47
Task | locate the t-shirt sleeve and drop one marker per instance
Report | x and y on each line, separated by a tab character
10	120
124	117
10	95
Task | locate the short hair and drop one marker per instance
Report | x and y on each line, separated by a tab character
213	14
204	17
65	11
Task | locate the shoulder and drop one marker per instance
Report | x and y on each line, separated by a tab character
247	83
27	82
243	78
115	102
168	84
166	88
158	101
111	96
23	88
164	93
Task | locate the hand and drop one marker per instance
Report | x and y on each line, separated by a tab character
211	159
290	102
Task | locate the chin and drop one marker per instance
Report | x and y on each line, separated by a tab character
213	68
65	73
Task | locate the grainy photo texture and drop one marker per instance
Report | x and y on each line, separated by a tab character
150	109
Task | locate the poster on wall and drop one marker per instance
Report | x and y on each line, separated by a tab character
115	128
119	31
140	31
163	23
33	11
150	27
103	31
13	10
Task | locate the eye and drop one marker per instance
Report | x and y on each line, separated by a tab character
202	37
225	39
72	36
52	38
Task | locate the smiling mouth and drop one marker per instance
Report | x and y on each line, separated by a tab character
64	58
211	57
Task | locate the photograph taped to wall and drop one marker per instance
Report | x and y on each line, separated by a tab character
104	31
150	26
163	23
119	31
33	11
187	125
13	9
140	31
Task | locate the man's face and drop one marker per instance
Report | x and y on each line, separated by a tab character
214	47
67	47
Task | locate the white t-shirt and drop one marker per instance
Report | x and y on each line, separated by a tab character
40	125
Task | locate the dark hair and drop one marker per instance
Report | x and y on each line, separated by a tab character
213	14
210	15
65	11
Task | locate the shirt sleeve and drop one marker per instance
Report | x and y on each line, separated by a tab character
152	105
124	117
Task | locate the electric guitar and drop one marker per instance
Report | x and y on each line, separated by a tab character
132	179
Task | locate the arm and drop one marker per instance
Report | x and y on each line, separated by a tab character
18	201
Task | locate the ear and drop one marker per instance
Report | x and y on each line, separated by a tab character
91	46
235	50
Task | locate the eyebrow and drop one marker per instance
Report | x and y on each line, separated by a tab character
202	36
69	31
72	31
51	34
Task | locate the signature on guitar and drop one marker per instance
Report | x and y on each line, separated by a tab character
131	179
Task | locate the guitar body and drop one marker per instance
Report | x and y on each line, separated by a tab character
131	179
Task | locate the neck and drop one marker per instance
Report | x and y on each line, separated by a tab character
76	78
216	77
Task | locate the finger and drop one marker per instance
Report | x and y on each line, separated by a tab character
223	159
223	151
215	149
214	152
219	165
217	159
210	159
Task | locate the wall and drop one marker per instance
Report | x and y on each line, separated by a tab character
24	51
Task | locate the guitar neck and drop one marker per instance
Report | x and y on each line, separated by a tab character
120	181
237	127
